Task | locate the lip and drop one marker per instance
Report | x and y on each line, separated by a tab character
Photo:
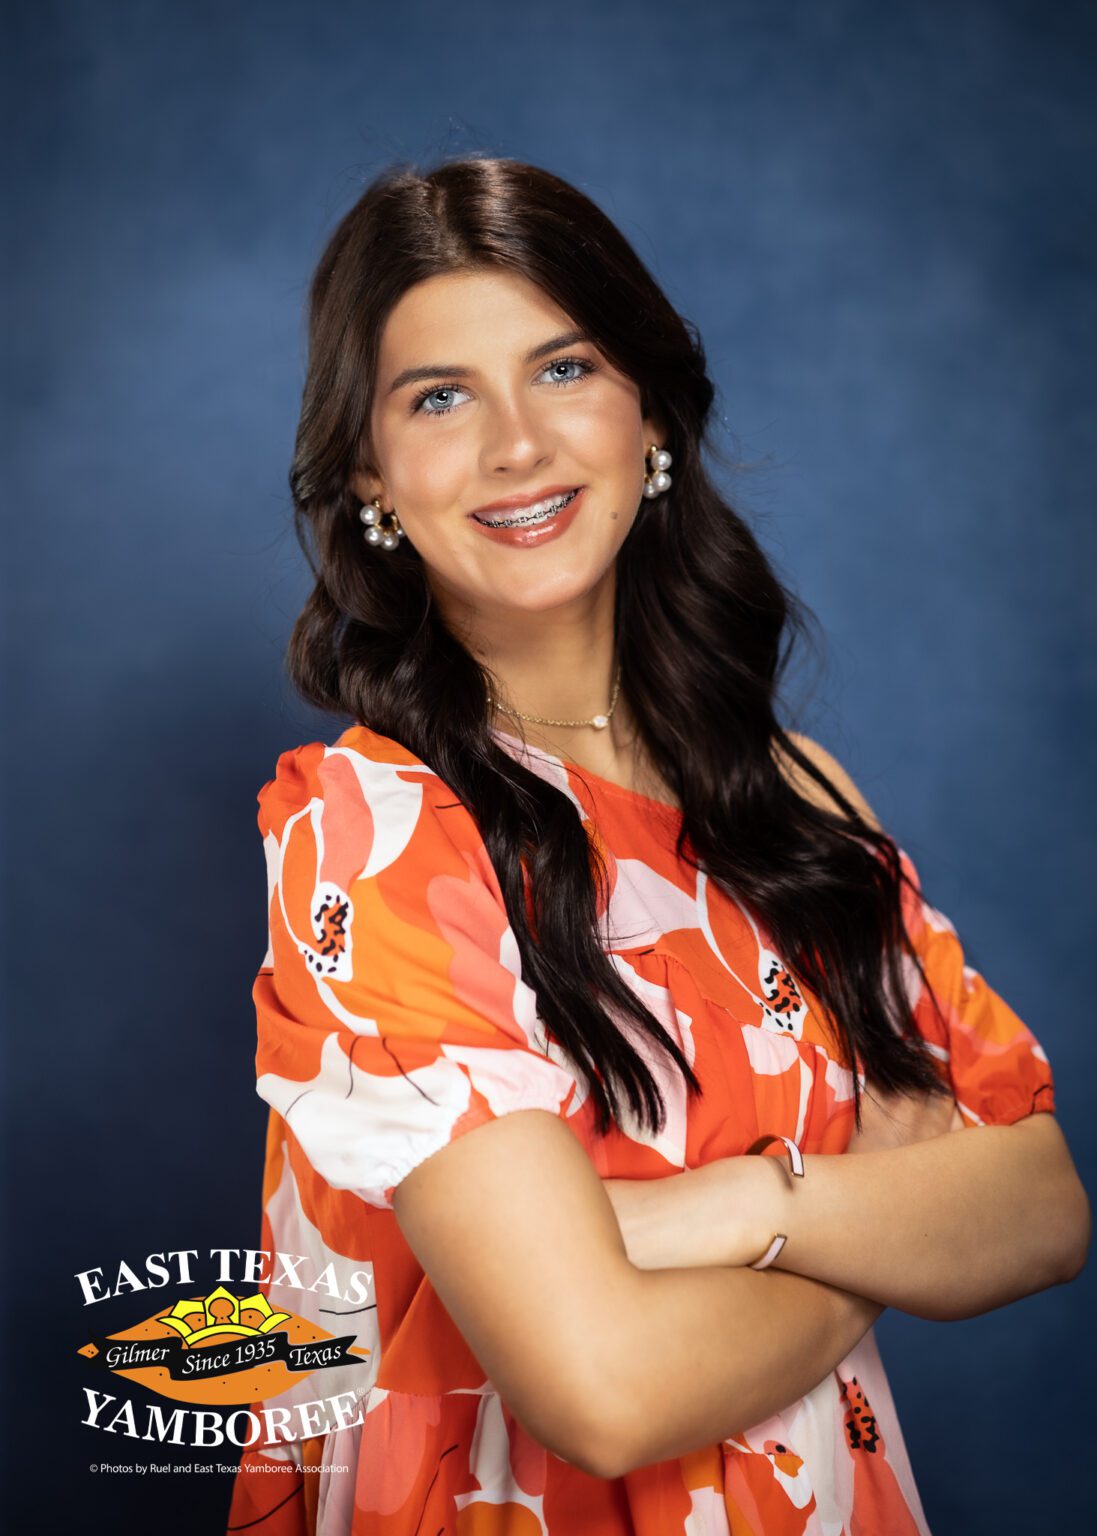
516	503
527	537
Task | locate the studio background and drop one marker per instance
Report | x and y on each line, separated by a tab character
882	222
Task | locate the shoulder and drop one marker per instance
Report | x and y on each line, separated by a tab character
366	798
359	764
298	767
831	768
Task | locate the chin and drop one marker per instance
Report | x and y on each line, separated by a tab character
553	589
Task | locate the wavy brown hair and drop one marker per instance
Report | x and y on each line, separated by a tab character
704	631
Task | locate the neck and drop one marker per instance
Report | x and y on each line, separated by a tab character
558	663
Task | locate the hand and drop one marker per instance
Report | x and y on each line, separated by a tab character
900	1119
723	1213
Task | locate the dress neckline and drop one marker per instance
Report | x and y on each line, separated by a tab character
605	784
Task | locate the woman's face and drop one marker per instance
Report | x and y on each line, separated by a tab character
484	420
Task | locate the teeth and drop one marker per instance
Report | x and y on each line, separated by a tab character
540	512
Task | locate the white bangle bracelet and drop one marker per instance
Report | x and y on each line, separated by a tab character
796	1162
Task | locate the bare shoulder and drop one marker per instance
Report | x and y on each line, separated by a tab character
828	765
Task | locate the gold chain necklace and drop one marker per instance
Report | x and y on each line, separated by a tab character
599	722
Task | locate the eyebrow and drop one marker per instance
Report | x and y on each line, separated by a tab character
458	370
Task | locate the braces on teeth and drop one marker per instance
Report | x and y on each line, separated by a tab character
536	514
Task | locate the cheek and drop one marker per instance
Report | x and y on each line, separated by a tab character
606	437
432	470
423	463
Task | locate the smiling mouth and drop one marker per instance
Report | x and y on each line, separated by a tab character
542	512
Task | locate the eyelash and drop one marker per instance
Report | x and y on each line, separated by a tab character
580	362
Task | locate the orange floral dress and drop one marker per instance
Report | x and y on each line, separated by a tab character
393	1018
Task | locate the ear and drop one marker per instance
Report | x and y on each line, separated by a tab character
655	431
366	487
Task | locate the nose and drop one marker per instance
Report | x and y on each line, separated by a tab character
514	441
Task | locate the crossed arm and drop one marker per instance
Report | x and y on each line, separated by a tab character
944	1228
609	1366
618	1319
613	1364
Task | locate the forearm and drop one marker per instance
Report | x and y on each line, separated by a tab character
701	1354
944	1228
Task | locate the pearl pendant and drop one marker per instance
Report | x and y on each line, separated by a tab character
600	722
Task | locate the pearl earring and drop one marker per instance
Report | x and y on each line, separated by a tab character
376	533
657	462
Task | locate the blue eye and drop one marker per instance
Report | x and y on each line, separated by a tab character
571	362
421	399
437	389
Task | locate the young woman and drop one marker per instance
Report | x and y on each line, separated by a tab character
567	883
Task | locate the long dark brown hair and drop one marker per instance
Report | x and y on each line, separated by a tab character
704	631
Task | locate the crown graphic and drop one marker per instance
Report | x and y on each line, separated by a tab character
202	1317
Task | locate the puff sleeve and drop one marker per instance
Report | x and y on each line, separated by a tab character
391	1013
998	1070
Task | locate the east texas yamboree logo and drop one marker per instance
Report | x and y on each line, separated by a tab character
222	1348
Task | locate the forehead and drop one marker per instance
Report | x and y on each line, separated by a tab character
460	315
